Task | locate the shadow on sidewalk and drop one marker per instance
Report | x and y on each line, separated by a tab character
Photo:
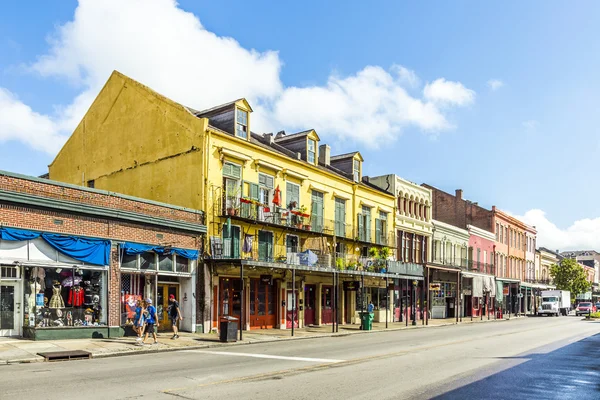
570	372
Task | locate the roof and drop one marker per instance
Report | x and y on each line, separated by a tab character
296	135
219	107
343	156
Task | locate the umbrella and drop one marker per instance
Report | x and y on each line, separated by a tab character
277	197
308	258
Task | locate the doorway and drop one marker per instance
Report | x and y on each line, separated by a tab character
262	304
327	305
310	293
162	304
10	310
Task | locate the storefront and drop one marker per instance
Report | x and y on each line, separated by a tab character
509	302
52	286
479	294
156	272
444	292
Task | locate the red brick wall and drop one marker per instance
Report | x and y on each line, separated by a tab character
85	196
456	211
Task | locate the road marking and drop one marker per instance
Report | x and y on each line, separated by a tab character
228	353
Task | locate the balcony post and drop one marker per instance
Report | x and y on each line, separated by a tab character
387	300
293	298
242	310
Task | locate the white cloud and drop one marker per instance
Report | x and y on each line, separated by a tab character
495	84
530	125
447	92
19	122
168	49
583	234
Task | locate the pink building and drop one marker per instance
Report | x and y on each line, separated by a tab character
481	263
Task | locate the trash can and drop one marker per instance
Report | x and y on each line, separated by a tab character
367	320
228	329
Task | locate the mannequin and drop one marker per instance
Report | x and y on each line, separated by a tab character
35	289
56	301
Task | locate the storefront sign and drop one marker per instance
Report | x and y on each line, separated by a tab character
505	290
267	279
435	286
467	292
351	285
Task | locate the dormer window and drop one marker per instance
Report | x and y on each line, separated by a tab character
311	152
241	126
356	170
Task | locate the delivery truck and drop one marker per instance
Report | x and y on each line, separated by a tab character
555	302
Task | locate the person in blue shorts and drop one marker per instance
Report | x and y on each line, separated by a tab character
151	321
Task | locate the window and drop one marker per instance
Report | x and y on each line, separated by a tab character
501	234
381	228
80	293
266	180
311	153
340	217
241	128
356	170
497	232
91	184
317	211
292	195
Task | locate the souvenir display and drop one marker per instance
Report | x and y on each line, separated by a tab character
75	296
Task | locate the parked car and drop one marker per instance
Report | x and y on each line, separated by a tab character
598	306
585	308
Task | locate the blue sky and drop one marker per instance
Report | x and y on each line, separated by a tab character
528	146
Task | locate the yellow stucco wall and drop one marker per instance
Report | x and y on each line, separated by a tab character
136	142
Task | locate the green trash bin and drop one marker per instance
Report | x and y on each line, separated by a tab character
367	320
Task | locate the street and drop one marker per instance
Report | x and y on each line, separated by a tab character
538	358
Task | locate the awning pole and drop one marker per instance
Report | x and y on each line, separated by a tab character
293	299
387	300
334	300
241	299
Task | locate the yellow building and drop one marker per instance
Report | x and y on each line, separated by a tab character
298	226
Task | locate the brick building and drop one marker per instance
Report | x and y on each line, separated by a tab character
74	260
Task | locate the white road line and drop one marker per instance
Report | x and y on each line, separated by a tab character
226	353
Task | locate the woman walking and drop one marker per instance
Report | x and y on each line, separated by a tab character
139	322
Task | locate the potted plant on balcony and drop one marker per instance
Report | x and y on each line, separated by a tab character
352	266
339	264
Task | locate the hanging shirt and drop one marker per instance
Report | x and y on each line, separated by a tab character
76	296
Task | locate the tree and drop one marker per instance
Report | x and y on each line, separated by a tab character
569	275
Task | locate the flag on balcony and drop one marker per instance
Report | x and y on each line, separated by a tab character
277	196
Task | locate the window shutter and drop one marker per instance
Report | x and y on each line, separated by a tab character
359	225
378	231
235	241
253	191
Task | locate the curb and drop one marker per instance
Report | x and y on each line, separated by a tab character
248	342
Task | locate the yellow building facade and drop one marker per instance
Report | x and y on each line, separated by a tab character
296	237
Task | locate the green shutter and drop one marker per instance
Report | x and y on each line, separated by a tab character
235	241
253	191
359	226
378	231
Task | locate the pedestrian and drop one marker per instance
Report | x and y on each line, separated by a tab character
174	315
370	307
139	321
151	321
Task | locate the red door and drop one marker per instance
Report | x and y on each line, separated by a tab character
327	305
290	307
262	305
310	292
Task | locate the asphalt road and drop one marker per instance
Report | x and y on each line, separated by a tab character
533	358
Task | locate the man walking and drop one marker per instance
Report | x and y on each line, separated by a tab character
151	321
174	315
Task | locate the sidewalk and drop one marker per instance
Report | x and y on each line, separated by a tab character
13	350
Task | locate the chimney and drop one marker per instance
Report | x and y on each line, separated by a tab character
299	155
280	135
324	154
268	138
459	194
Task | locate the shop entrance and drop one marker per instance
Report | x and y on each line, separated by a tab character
10	308
327	305
262	304
162	303
229	298
310	292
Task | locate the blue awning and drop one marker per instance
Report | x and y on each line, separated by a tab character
91	251
131	249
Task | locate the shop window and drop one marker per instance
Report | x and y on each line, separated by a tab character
129	261
181	264
64	297
148	261
165	263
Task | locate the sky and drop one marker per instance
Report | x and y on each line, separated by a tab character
497	98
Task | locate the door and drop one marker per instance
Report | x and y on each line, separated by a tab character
229	298
310	294
265	246
10	310
290	307
231	241
162	304
262	304
327	305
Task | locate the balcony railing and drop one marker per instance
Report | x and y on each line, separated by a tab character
387	239
466	265
274	215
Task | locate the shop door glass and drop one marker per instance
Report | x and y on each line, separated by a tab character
7	311
253	283
309	304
